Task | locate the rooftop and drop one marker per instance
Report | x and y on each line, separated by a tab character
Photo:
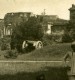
18	12
73	7
61	22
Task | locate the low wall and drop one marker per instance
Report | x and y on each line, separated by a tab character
32	70
11	67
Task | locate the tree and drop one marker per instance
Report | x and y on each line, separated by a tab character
29	30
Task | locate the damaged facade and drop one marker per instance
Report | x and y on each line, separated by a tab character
53	24
2	26
11	20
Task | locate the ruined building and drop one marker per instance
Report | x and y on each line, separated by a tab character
53	24
72	21
13	19
72	14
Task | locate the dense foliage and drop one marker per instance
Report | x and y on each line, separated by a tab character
11	54
29	30
67	38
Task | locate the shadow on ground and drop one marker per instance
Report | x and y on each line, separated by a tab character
51	73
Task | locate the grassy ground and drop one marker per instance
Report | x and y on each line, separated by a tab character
48	53
51	74
31	71
15	67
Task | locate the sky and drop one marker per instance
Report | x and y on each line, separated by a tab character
52	7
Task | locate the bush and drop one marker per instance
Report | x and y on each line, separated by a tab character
4	46
29	30
51	39
47	39
66	38
5	43
72	33
11	54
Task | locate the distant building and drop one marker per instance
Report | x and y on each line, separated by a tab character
72	18
1	28
59	26
72	21
53	24
47	18
13	19
72	14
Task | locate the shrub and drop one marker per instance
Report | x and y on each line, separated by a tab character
4	46
47	39
66	38
5	43
11	54
29	30
51	39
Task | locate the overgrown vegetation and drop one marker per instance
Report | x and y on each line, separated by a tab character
66	38
54	52
29	30
51	39
11	54
69	34
5	43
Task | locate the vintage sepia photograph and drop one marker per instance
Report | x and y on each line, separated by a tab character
37	39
